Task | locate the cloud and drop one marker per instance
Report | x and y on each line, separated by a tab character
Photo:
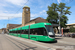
43	11
59	1
41	6
40	14
6	8
17	2
1	4
6	16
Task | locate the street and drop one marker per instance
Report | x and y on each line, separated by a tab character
8	42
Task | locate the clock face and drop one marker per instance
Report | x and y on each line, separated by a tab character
26	9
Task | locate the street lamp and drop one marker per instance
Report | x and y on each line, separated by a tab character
59	24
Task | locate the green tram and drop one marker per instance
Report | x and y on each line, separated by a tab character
37	32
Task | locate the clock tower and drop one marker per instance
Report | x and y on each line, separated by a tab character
25	15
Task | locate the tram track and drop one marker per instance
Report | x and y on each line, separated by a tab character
56	44
20	44
26	47
59	44
5	44
1	46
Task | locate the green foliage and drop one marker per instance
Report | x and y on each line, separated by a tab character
63	20
52	14
53	11
72	29
63	9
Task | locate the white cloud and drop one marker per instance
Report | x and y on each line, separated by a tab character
5	13
41	6
17	2
65	1
2	4
42	13
59	1
5	16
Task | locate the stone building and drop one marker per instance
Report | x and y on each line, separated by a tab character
0	31
26	19
68	27
11	26
25	15
3	30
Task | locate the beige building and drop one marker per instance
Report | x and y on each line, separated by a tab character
0	31
26	19
25	15
11	26
69	25
3	30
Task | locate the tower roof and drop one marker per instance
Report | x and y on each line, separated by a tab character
26	6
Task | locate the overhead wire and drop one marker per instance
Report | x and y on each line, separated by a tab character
17	11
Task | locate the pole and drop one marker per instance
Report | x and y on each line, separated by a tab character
8	28
8	20
17	32
29	32
59	21
21	32
59	25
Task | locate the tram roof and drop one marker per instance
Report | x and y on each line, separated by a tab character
37	25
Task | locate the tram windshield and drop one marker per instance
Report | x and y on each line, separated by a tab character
49	29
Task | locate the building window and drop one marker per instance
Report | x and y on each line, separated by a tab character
26	9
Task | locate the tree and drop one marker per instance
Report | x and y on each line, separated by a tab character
63	21
72	29
63	9
53	12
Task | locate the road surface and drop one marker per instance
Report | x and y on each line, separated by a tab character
8	42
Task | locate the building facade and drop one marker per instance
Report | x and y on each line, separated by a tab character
0	31
26	19
68	27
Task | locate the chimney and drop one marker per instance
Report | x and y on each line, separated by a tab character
25	15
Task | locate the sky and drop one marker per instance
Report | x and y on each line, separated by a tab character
11	10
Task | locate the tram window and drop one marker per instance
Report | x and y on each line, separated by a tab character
14	31
25	31
9	31
38	31
22	32
45	32
32	31
19	31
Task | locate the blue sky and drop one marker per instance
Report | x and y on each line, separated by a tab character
12	10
